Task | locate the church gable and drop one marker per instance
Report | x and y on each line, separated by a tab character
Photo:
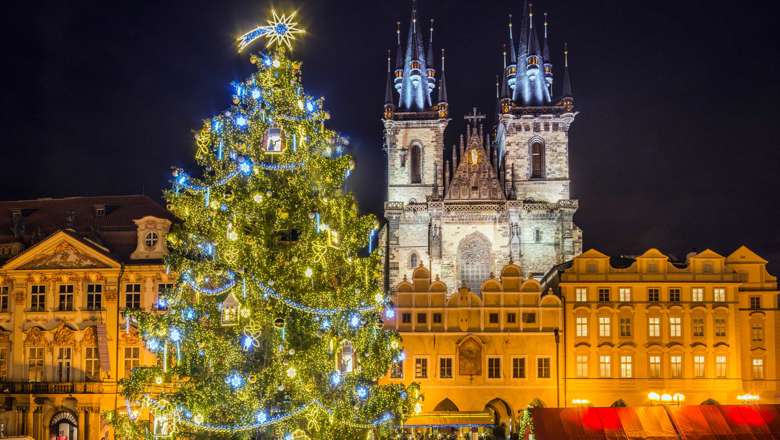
475	178
60	251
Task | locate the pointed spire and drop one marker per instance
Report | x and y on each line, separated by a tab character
429	60
399	55
442	82
546	49
389	84
512	53
533	40
522	44
498	90
503	55
567	91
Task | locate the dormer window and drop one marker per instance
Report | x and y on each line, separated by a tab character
100	210
151	240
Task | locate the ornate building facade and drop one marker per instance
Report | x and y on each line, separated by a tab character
70	268
497	197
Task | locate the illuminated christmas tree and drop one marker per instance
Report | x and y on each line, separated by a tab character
274	328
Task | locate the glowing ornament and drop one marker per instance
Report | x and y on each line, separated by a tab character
277	63
153	344
175	335
188	314
197	418
231	234
235	380
310	107
158	380
389	313
261	417
230	310
335	378
292	372
279	323
245	165
401	356
361	391
241	121
273	143
309	272
354	320
379	298
255	93
300	104
418	408
258	198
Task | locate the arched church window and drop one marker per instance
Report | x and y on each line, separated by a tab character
413	260
537	160
416	163
474	261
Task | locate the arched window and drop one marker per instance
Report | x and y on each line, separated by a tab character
537	160
413	260
416	163
474	261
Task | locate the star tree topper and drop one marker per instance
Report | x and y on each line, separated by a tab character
280	30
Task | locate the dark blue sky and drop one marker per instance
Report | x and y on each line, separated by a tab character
675	146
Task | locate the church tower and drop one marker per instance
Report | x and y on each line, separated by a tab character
415	117
500	196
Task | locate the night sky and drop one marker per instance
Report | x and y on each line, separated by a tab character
675	145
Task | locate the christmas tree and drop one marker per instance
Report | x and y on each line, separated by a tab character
274	328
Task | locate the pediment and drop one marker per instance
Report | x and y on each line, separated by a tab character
708	253
60	251
744	254
592	253
653	253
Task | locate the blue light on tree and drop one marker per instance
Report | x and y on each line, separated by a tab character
361	391
175	335
335	378
255	93
245	165
389	313
241	121
354	320
261	417
235	380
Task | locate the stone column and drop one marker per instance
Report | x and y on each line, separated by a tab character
82	412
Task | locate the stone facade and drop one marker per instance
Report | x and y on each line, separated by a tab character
485	189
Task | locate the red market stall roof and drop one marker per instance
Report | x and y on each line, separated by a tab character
715	422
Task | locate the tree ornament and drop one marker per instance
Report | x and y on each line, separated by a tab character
231	234
230	310
279	323
292	372
273	141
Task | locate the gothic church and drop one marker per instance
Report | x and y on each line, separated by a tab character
502	195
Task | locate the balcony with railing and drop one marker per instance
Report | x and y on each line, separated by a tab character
56	388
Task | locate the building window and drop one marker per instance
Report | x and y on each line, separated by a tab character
406	318
654	327
133	296
91	363
605	365
437	318
653	294
421	368
654	366
35	364
591	267
422	318
511	318
698	365
758	368
529	317
474	261
698	326
493	318
3	364
537	160
652	267
151	239
604	326
397	370
604	295
625	294
720	327
756	332
581	326
94	296
581	294
720	365
674	295
538	235
625	327
719	294
675	362
38	298
3	298
445	368
675	326
413	260
708	267
416	161
697	294
626	366
755	302
132	359
66	297
543	368
582	365
518	368
63	364
494	368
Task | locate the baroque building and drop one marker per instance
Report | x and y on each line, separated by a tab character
69	269
501	196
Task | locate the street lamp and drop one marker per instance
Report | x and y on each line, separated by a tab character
746	398
580	402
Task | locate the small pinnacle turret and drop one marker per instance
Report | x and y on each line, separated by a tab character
567	97
443	105
389	107
548	67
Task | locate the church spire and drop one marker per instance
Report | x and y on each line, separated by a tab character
530	84
443	105
567	97
415	79
512	53
429	61
399	59
548	67
389	107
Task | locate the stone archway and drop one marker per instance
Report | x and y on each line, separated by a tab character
502	414
446	405
64	426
